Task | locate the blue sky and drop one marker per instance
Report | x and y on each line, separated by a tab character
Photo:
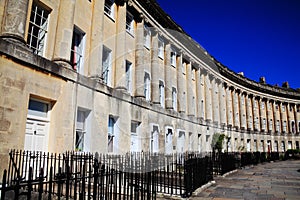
257	37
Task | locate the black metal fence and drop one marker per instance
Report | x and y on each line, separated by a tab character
72	175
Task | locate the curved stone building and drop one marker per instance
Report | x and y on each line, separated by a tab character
117	76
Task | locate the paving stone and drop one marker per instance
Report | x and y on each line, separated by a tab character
271	181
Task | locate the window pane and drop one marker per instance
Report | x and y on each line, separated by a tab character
37	108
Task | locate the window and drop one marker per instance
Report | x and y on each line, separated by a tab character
283	108
129	23
38	108
147	36
111	134
174	98
262	146
262	105
128	75
293	127
147	87
77	50
290	145
168	141
264	124
255	146
161	48
80	130
282	146
135	138
277	126
173	59
183	67
161	94
269	106
193	73
109	8
106	65
270	125
299	127
284	126
37	30
276	107
276	146
256	123
297	145
248	145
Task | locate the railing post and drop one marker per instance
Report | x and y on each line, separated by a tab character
3	188
96	175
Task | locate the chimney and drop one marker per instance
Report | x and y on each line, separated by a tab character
262	80
241	73
285	85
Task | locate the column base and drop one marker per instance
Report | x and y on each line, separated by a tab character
63	62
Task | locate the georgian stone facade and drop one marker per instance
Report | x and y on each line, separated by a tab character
119	76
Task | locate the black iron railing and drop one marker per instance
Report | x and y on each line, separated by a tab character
75	175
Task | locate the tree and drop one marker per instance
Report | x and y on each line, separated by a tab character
217	142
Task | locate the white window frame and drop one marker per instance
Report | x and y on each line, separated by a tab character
81	131
162	93
183	67
174	98
147	36
109	8
173	58
39	31
169	140
136	133
277	126
152	146
282	108
128	69
106	65
147	86
77	51
161	48
129	23
193	71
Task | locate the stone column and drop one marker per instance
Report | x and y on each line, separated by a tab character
168	77
256	114
64	33
154	68
96	41
270	116
120	54
139	60
189	89
15	17
198	93
229	106
215	101
222	95
243	111
249	113
276	115
181	83
236	110
208	97
202	101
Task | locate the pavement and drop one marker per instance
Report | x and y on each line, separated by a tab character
272	181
